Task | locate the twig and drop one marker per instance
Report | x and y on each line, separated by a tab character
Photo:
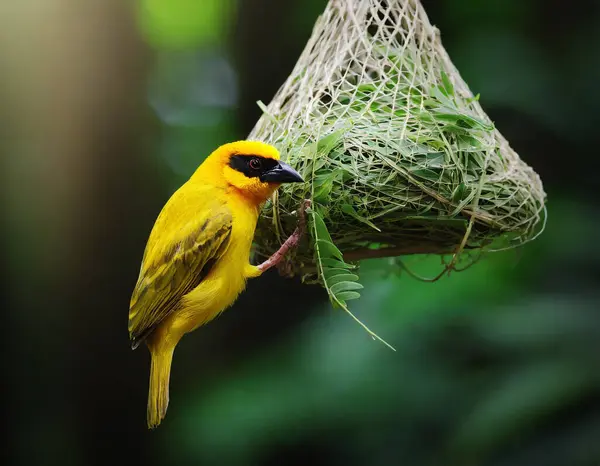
360	254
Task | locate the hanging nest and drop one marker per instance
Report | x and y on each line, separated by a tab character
398	155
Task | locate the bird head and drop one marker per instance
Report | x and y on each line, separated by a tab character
253	168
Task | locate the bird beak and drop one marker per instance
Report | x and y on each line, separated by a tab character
281	173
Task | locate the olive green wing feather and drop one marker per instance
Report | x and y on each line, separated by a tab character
174	265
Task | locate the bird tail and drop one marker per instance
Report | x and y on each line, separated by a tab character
158	393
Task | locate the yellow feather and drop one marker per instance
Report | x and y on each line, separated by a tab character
196	261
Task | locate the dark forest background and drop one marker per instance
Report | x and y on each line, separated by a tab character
107	106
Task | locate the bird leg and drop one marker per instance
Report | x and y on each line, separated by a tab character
289	243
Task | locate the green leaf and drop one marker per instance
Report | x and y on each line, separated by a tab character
323	185
345	286
324	177
425	173
313	166
347	296
348	209
434	160
341	277
331	272
450	115
308	151
322	193
460	193
320	227
329	249
439	93
366	88
329	262
327	143
331	266
475	98
409	148
467	143
448	87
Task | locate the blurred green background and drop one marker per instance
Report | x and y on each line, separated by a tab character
107	106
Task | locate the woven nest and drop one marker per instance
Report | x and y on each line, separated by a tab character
398	155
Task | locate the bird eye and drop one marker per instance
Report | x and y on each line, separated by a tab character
255	164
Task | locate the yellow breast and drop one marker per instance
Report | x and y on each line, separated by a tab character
227	279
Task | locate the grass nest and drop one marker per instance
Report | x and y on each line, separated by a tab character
398	156
427	182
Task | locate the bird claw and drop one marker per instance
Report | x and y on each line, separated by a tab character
291	242
306	204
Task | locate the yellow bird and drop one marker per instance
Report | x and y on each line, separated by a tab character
196	261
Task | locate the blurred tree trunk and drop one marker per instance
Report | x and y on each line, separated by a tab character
75	74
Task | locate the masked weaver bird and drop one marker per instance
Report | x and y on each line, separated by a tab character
196	261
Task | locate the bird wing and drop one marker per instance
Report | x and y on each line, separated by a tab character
174	264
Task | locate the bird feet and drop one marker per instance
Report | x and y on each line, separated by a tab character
289	243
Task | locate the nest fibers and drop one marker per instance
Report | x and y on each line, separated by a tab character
399	156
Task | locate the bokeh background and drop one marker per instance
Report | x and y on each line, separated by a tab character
107	106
